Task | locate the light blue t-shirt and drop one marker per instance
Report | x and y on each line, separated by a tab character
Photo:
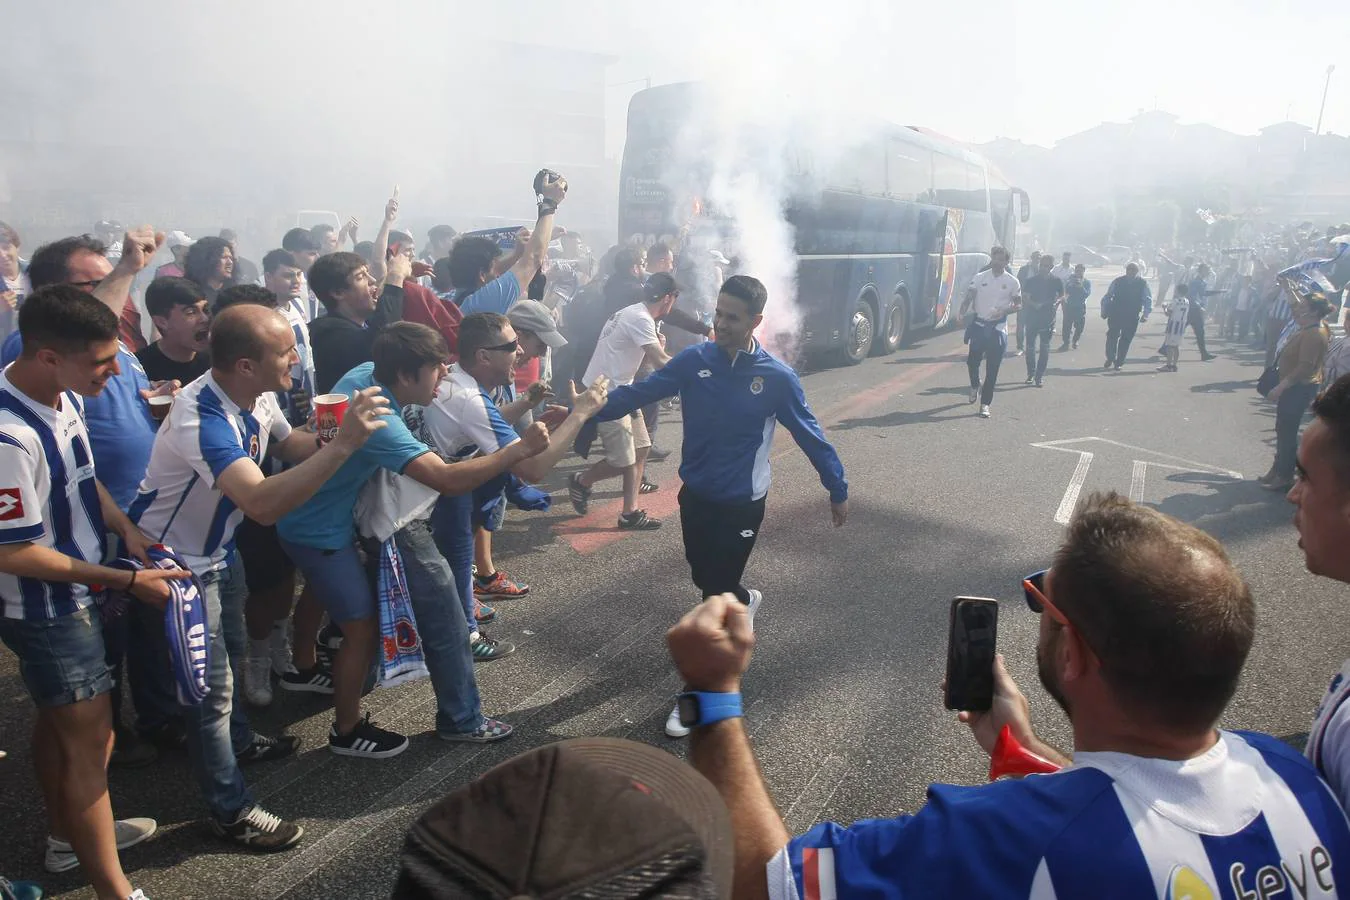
121	430
324	522
497	296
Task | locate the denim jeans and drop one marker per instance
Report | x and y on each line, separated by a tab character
138	656
444	633
1289	410
452	525
210	726
1038	350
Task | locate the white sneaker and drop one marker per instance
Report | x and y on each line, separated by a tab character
974	395
984	411
258	680
128	833
673	727
280	651
137	894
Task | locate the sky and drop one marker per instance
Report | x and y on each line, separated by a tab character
1036	70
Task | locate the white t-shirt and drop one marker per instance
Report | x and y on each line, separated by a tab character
619	353
206	432
994	294
1328	744
463	421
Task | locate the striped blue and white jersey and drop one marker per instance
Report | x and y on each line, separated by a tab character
48	497
463	421
1249	819
1176	322
1328	744
179	503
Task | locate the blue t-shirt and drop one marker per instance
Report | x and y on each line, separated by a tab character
497	296
121	430
324	522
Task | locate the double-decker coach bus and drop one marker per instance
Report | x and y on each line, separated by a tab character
887	231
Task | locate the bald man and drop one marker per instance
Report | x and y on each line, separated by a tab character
205	475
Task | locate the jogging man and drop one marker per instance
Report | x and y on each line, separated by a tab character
732	393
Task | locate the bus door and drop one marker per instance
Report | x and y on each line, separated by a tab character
934	264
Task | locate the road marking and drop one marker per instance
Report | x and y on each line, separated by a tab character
805	810
1138	471
1137	481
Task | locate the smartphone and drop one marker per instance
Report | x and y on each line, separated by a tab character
972	639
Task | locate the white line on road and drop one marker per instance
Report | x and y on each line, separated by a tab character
1192	464
1137	481
1070	499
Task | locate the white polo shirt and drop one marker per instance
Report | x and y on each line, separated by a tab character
48	497
994	294
179	503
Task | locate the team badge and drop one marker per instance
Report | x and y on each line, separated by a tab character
1185	884
757	385
253	446
747	533
11	504
705	373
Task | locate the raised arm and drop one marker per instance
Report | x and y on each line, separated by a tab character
139	245
463	477
561	438
536	248
379	265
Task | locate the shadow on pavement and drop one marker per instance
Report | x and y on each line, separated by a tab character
1223	387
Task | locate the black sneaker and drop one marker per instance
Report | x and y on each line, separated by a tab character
485	649
330	637
264	749
578	493
259	830
638	520
315	680
366	740
170	736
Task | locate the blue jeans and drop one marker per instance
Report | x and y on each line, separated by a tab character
210	726
1038	341
1289	411
452	525
444	633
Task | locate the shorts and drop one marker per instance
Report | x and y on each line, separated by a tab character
338	579
266	565
622	438
62	659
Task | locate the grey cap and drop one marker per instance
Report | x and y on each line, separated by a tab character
533	316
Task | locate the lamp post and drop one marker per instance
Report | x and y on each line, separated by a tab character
1323	108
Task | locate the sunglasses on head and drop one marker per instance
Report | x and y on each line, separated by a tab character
1033	588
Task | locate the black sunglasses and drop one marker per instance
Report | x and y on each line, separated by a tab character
510	347
1037	580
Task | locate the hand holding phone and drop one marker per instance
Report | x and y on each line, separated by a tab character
972	641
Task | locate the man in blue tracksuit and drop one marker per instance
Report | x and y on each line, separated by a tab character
732	393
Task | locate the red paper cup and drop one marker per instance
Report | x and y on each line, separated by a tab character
328	412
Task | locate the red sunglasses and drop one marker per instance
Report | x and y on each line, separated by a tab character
1033	588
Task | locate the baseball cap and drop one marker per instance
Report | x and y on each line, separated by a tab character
531	315
599	817
660	284
178	239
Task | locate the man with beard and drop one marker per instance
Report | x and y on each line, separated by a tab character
178	309
1145	625
1321	495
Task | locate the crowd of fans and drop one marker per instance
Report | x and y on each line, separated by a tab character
172	455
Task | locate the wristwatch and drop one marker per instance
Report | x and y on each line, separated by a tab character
704	707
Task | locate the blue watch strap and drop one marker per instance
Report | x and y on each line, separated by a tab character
714	707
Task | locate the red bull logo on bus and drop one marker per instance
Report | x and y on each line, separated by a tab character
947	268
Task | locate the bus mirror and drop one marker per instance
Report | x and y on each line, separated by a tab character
1024	206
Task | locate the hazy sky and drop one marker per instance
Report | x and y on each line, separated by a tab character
1033	69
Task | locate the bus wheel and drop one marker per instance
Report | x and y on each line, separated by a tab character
861	331
897	327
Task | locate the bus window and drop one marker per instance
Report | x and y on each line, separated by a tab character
958	184
909	172
860	170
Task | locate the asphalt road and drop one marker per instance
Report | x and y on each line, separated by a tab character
843	698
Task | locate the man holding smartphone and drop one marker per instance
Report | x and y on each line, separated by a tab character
1156	801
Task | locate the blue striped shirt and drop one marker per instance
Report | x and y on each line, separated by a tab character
48	497
1248	819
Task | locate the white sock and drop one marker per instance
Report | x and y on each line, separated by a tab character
473	637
